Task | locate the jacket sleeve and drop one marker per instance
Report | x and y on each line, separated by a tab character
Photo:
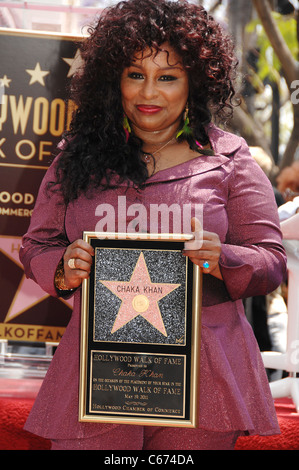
253	259
45	241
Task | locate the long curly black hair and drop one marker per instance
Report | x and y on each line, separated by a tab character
96	144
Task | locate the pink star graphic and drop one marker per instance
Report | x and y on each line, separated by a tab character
28	293
139	297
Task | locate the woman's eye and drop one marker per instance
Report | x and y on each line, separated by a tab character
135	76
167	78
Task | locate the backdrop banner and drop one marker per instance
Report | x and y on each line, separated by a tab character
34	112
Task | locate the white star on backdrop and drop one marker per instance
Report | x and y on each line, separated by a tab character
5	81
37	75
75	63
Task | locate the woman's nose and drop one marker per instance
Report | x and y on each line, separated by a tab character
149	89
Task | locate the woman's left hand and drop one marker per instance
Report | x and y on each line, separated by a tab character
204	250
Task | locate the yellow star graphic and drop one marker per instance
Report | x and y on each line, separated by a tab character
5	81
74	63
37	75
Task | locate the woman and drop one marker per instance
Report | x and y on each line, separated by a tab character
154	74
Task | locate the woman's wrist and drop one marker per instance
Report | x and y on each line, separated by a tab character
59	280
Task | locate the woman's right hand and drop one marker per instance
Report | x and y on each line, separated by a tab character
81	253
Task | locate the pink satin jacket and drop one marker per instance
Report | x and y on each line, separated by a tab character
237	202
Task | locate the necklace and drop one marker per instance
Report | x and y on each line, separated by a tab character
147	156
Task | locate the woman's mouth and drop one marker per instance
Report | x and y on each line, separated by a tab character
148	109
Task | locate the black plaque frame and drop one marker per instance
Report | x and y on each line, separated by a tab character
140	373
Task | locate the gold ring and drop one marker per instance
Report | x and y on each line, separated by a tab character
71	263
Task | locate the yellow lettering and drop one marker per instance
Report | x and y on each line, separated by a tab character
28	198
16	198
57	117
15	248
20	112
43	152
2	154
3	107
31	332
70	110
40	116
30	154
47	116
4	196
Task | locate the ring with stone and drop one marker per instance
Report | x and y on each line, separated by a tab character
71	263
206	265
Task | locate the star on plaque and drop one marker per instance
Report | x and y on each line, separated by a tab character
37	75
140	296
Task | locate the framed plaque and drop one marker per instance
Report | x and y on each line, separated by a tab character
140	332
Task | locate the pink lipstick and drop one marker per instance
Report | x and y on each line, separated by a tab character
148	109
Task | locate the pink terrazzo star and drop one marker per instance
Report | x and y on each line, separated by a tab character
139	297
